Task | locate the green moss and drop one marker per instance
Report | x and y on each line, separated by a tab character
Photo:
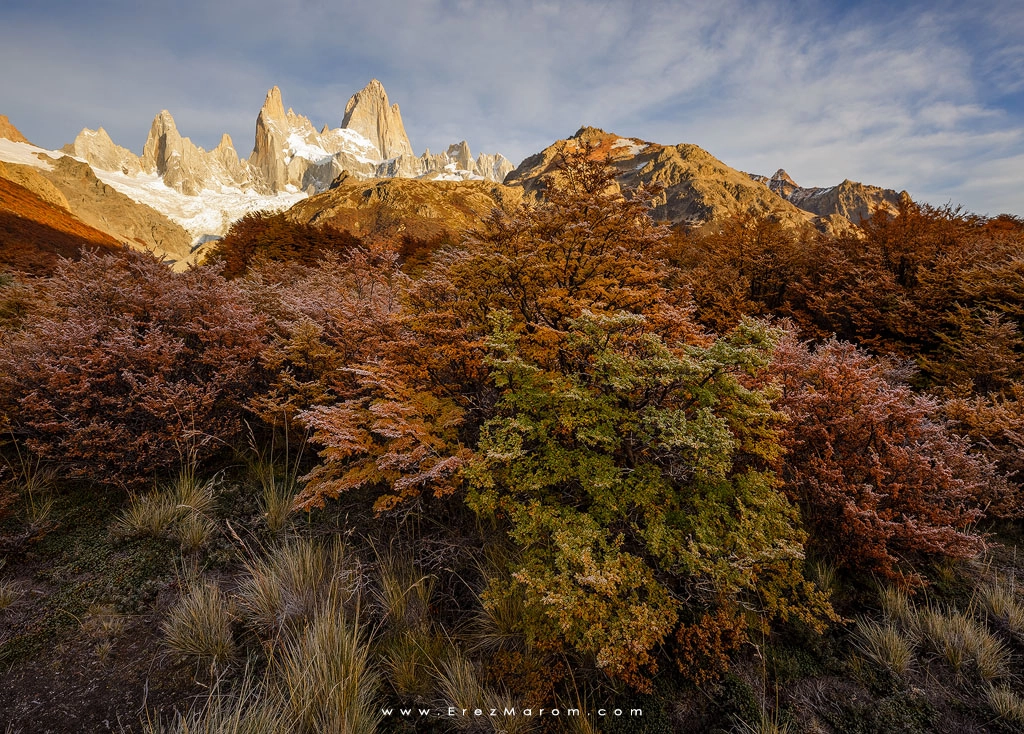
902	712
81	565
736	701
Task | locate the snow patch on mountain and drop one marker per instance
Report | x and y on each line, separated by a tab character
26	154
206	215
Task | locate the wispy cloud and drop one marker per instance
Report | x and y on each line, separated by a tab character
927	96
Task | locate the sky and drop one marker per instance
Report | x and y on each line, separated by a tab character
922	96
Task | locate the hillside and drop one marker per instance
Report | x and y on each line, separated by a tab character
35	233
697	187
429	211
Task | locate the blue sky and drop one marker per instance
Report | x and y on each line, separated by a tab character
923	96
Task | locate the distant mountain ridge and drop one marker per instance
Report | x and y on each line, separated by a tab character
696	187
289	154
850	199
176	196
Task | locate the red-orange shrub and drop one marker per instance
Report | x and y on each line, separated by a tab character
126	365
881	482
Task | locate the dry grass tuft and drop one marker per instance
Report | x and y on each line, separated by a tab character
326	678
1000	599
459	686
193	531
199	625
192	495
897	607
9	594
766	723
35	480
149	515
497	623
824	575
404	595
277	496
407	658
1007	705
248	710
182	506
103	621
290	585
961	639
886	644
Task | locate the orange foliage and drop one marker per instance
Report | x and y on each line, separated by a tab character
274	238
881	481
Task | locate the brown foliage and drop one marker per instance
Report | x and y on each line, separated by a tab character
882	483
994	423
930	284
702	649
125	366
324	321
274	238
746	265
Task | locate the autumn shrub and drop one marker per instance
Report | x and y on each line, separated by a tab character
262	238
406	418
882	484
631	478
325	320
994	424
744	265
129	369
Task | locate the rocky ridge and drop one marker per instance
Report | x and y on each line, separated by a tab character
851	200
68	183
696	186
205	191
289	154
432	212
9	132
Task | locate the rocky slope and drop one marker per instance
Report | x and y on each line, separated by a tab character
35	233
851	200
9	132
429	211
697	187
102	206
71	185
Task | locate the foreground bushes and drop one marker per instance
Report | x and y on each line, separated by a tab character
124	368
652	488
882	484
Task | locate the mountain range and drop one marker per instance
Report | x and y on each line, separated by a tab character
176	196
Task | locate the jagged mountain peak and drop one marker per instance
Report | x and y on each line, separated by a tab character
850	199
781	175
370	113
99	150
273	106
205	191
